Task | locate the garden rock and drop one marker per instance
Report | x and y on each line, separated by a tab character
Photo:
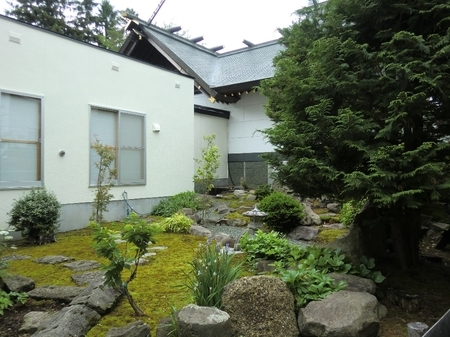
260	306
222	209
311	218
264	266
334	226
73	321
222	240
98	297
341	314
33	320
251	197
54	259
200	231
58	293
304	233
350	244
164	327
19	283
334	207
239	193
14	257
82	265
194	321
355	283
135	329
88	277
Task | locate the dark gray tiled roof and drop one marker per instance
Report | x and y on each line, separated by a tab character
218	70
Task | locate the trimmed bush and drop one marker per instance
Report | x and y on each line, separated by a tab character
36	216
284	212
263	191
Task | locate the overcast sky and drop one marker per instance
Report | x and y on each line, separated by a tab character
225	22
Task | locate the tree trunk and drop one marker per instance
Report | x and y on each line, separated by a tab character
138	311
405	235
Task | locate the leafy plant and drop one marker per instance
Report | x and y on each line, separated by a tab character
208	165
138	234
309	284
263	191
272	246
8	299
105	180
349	210
177	223
284	212
365	269
173	204
210	272
36	215
325	260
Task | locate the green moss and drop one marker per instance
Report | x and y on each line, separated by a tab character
156	288
328	235
236	216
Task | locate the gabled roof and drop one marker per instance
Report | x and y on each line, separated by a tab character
223	77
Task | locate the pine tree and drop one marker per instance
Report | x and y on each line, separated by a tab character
360	100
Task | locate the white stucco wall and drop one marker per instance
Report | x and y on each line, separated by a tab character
246	116
71	75
205	126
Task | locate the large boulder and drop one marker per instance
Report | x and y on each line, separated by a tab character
260	306
350	244
341	314
200	231
194	321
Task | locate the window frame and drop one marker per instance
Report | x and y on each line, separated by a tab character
119	144
40	142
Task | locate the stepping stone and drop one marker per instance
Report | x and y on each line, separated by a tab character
157	248
82	265
19	283
58	293
54	259
88	277
148	254
33	320
14	257
98	297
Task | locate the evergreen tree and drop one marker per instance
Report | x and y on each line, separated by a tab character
48	14
85	20
360	104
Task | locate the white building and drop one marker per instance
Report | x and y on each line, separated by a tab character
226	102
57	94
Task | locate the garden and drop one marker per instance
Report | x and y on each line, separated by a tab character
168	281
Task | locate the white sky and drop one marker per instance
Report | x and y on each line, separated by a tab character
225	22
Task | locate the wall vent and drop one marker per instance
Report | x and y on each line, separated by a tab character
14	37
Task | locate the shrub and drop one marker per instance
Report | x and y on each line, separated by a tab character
177	223
272	246
207	165
173	204
284	212
263	191
36	215
309	284
349	211
210	272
